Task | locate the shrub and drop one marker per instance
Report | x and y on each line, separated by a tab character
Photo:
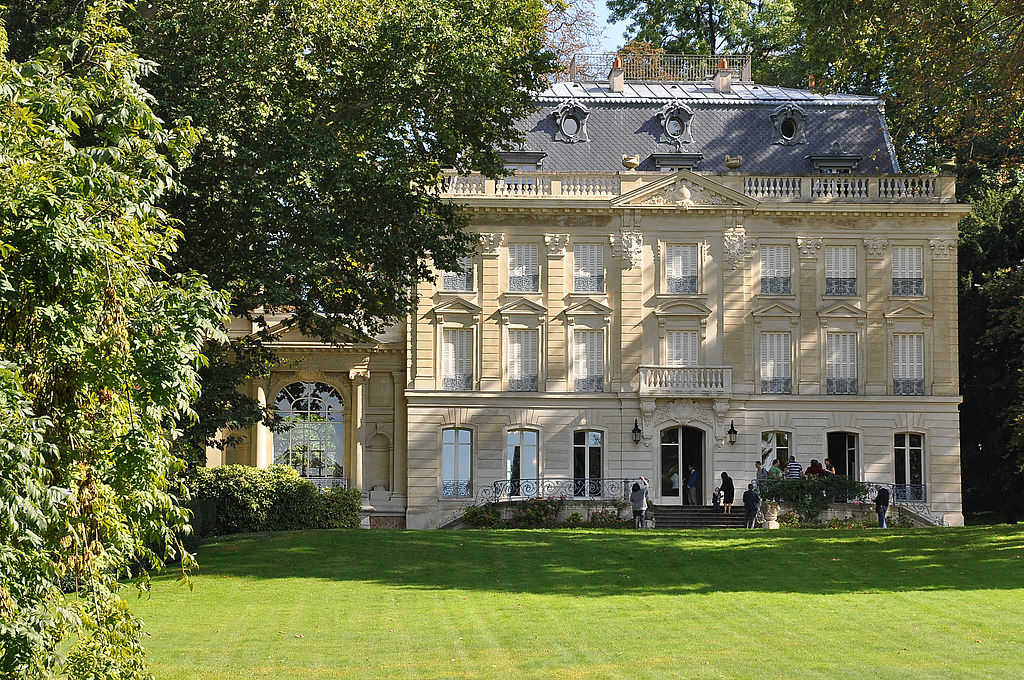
482	517
248	499
604	519
574	519
810	495
537	513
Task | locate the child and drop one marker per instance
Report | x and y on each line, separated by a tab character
716	500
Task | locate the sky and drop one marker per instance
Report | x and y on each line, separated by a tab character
612	32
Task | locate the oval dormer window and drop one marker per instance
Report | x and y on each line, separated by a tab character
674	126
570	126
787	128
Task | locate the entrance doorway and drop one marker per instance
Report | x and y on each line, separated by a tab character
681	447
842	450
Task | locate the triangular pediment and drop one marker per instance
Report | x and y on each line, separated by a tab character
842	310
684	189
286	331
909	310
592	307
522	306
457	306
682	308
776	308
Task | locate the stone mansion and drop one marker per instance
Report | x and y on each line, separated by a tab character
686	268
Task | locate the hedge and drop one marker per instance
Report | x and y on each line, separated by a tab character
233	499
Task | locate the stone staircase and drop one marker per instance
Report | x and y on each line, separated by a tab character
696	517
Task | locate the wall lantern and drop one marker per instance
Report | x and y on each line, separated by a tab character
732	432
637	432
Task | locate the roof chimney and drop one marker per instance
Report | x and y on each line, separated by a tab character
723	78
617	76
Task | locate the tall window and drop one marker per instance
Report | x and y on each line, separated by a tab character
456	461
908	363
775	279
776	363
908	450
774	445
681	269
841	270
908	270
461	280
588	268
587	446
457	359
523	272
522	360
588	361
841	363
521	462
313	443
681	348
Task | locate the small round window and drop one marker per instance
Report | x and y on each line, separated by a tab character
787	128
570	126
674	126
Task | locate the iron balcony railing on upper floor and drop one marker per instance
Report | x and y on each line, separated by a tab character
763	188
677	68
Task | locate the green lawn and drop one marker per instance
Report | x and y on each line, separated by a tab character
801	604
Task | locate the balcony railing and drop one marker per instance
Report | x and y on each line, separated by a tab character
324	483
557	487
686	381
679	68
765	188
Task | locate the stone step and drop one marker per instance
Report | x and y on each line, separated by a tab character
696	517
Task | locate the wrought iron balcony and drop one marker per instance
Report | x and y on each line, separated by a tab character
526	383
777	386
557	487
686	381
592	383
775	285
841	386
908	287
457	488
588	284
908	387
457	383
324	483
686	285
841	287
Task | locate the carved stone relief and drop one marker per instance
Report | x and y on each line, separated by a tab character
809	247
942	248
556	243
627	247
491	243
875	247
684	412
738	246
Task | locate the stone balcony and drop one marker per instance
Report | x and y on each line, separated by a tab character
686	381
819	188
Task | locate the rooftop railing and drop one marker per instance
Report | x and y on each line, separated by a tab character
764	188
680	68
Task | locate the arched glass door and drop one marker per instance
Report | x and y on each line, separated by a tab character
313	442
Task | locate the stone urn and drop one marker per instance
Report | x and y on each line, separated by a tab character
630	162
733	162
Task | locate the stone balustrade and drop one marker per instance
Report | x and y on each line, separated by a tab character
686	381
763	188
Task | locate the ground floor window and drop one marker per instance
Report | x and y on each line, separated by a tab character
587	447
313	441
456	460
521	462
908	449
842	453
774	445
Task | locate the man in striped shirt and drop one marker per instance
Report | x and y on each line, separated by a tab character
793	469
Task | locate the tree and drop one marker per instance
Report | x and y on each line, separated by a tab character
324	126
99	348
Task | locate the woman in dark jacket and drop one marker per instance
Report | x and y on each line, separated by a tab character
728	492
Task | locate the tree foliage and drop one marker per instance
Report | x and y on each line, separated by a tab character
99	347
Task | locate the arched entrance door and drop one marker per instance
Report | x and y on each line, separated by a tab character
681	447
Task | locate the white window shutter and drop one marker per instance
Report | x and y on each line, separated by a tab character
448	355
841	262
458	353
841	351
681	348
515	354
515	260
776	361
595	353
531	350
908	356
674	262
907	262
530	260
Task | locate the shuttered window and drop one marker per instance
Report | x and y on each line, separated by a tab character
523	272
522	360
588	361
588	268
908	363
681	348
776	363
841	363
457	359
775	279
461	280
681	268
841	270
908	270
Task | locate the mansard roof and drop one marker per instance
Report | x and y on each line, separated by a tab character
737	123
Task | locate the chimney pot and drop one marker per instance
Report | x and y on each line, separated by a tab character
617	76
